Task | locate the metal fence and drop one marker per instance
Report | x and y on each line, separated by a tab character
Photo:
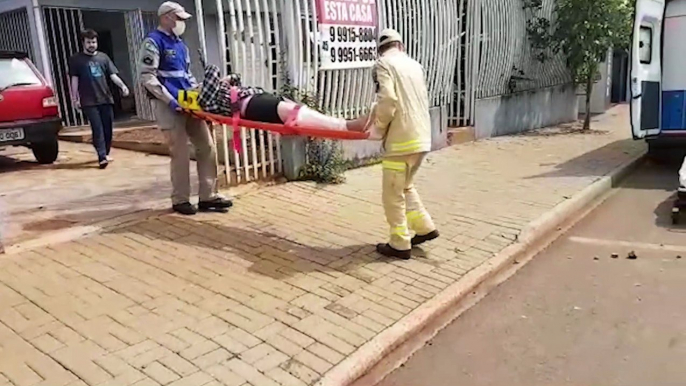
138	25
251	31
504	55
16	32
62	27
272	41
497	57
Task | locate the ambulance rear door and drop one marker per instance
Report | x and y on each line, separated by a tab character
646	68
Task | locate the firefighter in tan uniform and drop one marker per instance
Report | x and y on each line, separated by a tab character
401	119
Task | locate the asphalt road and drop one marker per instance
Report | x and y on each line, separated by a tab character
575	315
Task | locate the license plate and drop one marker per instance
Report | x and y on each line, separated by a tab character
7	135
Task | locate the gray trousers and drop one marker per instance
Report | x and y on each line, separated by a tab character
178	129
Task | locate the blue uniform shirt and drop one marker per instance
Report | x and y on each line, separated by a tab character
167	57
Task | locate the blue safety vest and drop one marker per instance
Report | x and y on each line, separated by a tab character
174	67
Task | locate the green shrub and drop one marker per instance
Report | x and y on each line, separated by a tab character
325	162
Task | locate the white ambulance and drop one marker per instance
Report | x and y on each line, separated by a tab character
658	72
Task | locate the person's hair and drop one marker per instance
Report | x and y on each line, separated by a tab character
88	34
390	45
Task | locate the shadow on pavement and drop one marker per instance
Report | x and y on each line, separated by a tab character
663	215
9	164
35	228
654	176
593	163
271	255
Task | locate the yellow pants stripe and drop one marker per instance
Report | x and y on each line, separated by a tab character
399	230
414	215
407	146
394	165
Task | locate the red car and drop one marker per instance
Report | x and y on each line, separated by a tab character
29	115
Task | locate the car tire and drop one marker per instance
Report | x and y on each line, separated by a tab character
46	152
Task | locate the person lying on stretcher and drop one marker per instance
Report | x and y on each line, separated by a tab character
255	104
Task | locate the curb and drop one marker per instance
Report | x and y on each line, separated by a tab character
435	313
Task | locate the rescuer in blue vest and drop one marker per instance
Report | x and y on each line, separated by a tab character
165	63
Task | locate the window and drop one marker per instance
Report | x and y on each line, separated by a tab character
16	72
645	45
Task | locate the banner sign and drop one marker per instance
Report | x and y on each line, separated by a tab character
347	32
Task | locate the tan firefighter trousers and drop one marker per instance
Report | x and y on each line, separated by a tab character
404	209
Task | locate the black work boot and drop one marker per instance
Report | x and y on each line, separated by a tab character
185	208
421	239
388	251
219	204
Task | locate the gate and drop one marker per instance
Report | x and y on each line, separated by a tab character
16	32
252	30
62	30
138	24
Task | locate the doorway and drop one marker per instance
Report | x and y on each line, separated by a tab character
119	36
111	29
620	69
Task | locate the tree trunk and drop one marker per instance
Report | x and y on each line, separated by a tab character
589	91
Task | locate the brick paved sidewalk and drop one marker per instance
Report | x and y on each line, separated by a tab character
285	286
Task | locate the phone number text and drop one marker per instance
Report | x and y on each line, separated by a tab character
352	54
352	34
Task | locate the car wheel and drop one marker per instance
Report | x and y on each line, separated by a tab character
45	152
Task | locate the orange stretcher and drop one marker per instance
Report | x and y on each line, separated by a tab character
288	128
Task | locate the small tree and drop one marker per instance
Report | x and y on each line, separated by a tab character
583	31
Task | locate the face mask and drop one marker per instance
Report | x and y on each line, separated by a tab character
179	28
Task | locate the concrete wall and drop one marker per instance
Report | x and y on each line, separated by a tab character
602	89
8	5
122	5
524	111
360	150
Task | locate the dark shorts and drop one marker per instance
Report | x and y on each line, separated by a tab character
264	108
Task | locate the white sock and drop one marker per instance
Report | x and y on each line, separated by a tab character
311	118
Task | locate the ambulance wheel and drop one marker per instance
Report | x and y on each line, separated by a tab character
675	216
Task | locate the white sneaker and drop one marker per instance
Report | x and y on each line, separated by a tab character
110	158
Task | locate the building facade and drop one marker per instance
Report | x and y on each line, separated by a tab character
479	67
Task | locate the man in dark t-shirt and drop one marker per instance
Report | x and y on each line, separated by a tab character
90	72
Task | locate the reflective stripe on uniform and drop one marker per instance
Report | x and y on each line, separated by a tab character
414	215
394	165
412	145
172	74
399	230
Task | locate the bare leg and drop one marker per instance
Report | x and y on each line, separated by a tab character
310	118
